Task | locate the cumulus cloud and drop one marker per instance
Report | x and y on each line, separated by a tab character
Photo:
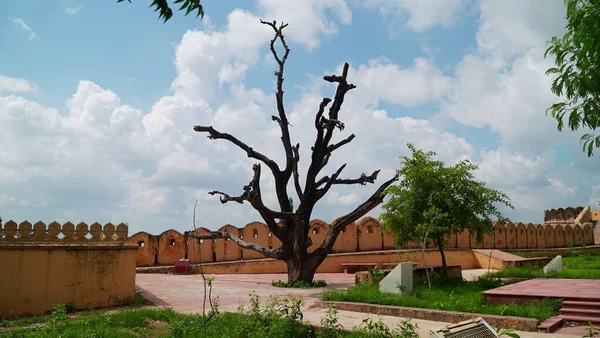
102	160
418	15
15	85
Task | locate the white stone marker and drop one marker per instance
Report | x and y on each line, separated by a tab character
554	265
399	280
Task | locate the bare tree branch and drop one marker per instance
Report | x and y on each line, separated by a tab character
321	192
282	120
295	170
343	142
271	253
253	196
361	210
215	134
362	180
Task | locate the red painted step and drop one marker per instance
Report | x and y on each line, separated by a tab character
581	319
551	324
580	312
571	304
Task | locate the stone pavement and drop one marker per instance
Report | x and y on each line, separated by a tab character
184	293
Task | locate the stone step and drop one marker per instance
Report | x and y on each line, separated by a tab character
572	304
580	312
582	319
551	324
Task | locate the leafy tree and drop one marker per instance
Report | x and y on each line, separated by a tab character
165	12
577	72
291	226
433	201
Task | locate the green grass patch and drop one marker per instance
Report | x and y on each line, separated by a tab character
138	301
574	267
582	262
299	284
165	323
537	272
453	295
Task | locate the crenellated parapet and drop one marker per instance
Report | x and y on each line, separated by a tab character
569	214
363	236
66	232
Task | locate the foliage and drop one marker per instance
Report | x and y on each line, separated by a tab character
507	332
582	262
330	323
378	329
299	284
376	274
593	331
536	272
278	318
447	295
165	12
435	200
576	75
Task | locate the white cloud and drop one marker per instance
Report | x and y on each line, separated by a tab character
383	80
503	83
561	188
70	8
5	199
418	15
24	26
308	19
15	85
101	160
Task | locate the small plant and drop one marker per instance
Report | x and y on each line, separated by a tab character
330	323
508	332
406	329
592	331
214	308
375	329
300	284
292	308
254	304
376	274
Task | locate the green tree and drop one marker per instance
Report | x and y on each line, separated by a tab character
165	12
576	77
433	201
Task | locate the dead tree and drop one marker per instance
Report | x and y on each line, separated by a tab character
290	226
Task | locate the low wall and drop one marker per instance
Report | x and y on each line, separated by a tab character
84	267
333	262
519	323
35	277
367	235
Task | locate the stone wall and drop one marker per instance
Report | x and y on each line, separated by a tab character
366	235
84	267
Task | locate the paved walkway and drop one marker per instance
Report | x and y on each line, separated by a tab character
185	294
570	289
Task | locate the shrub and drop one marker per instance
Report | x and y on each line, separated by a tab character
300	284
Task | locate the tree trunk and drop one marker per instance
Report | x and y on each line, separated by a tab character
301	270
444	265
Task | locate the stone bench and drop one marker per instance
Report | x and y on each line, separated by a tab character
354	267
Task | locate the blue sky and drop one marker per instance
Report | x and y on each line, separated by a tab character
97	100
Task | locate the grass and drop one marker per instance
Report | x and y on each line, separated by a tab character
574	267
299	284
454	295
163	323
582	262
138	301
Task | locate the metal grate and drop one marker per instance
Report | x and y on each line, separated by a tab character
475	328
477	331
